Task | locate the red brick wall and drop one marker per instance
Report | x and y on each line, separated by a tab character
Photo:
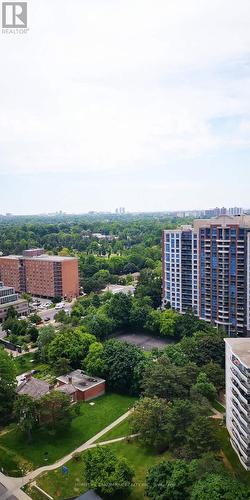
70	278
40	277
94	392
9	272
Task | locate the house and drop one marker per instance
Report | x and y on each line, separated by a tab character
126	289
80	386
33	387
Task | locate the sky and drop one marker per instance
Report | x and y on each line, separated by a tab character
143	104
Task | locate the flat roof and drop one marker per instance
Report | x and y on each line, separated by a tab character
6	287
241	348
80	380
15	257
53	258
14	303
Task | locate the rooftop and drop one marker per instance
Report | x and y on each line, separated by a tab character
53	258
3	287
80	380
126	289
33	387
241	349
224	221
13	303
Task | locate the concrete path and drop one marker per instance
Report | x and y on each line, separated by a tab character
216	414
13	484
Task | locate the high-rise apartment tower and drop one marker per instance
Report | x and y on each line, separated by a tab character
206	268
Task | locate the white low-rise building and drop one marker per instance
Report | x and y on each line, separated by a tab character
238	396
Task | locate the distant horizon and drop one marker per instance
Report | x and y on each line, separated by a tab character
110	212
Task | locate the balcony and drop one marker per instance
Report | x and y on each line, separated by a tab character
240	392
240	414
244	458
243	407
242	442
239	373
242	426
242	430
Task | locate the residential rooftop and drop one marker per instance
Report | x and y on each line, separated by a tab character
80	380
33	387
223	220
241	348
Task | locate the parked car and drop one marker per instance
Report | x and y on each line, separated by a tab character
47	319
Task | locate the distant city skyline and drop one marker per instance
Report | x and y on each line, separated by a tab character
136	104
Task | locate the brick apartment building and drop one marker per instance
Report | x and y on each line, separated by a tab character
42	275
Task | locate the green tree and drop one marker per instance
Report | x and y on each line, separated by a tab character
26	414
149	419
100	324
204	388
201	436
27	296
94	363
55	410
168	481
181	414
139	312
73	346
107	474
119	309
7	386
45	337
215	374
153	321
35	318
149	285
11	313
203	348
218	487
33	333
120	360
168	323
165	380
62	317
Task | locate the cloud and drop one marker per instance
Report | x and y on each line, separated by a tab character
108	84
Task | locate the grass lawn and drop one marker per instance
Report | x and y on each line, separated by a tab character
63	486
34	493
27	362
231	456
120	430
91	420
24	363
219	407
13	464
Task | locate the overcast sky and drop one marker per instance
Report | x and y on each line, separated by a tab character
137	103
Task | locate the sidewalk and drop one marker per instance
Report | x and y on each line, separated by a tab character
14	484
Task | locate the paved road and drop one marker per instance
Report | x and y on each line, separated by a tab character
12	485
50	313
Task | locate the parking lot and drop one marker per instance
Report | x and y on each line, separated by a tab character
48	312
